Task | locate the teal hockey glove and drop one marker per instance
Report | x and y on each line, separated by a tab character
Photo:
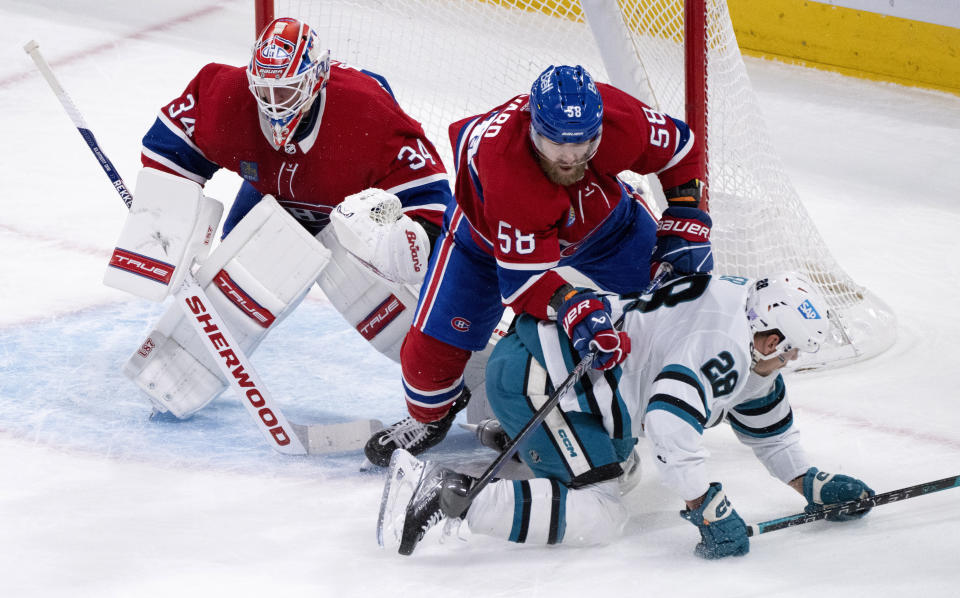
822	488
722	530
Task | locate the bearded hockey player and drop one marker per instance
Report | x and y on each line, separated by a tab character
315	140
711	352
537	190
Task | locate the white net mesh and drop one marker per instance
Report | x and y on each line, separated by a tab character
448	59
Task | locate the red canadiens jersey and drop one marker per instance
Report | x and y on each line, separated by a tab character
357	138
528	222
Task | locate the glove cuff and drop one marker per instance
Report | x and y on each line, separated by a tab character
715	506
813	484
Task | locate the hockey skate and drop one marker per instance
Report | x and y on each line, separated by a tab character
404	523
411	435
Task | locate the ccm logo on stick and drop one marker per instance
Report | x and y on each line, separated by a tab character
230	359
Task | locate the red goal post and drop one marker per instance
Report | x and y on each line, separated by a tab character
447	59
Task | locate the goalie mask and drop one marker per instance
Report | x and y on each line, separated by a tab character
566	114
790	304
286	75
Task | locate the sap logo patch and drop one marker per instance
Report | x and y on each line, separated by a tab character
249	171
807	310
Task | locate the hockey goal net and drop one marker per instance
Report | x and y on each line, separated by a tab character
447	59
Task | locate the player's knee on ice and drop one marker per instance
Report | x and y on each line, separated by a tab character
561	504
544	511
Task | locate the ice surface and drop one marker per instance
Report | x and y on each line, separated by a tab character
96	500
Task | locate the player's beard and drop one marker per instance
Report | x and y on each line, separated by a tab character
562	175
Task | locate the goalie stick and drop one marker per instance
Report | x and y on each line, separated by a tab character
285	437
854	505
460	503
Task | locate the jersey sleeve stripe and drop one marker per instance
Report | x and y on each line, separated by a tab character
678	408
678	373
527	267
773	429
679	153
172	167
162	118
421	182
683	133
462	136
764	404
166	144
521	289
425	210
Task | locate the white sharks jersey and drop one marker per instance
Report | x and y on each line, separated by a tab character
689	369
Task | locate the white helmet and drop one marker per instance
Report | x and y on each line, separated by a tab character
790	304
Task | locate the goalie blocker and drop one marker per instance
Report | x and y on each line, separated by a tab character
256	277
170	224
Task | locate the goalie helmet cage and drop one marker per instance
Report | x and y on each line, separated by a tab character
447	59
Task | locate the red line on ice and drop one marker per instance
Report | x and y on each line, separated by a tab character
872	426
99	48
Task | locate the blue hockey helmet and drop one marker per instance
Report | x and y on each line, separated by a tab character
565	105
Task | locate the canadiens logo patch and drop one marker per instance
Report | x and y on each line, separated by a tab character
275	51
460	324
249	171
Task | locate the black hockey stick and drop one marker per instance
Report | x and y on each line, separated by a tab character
457	503
854	505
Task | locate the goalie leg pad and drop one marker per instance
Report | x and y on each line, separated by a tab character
170	224
255	278
379	310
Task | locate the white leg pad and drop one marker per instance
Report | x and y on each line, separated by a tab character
257	276
381	311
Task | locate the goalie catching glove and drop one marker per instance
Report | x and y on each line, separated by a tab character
372	227
585	318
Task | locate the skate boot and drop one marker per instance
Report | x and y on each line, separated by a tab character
428	505
412	435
